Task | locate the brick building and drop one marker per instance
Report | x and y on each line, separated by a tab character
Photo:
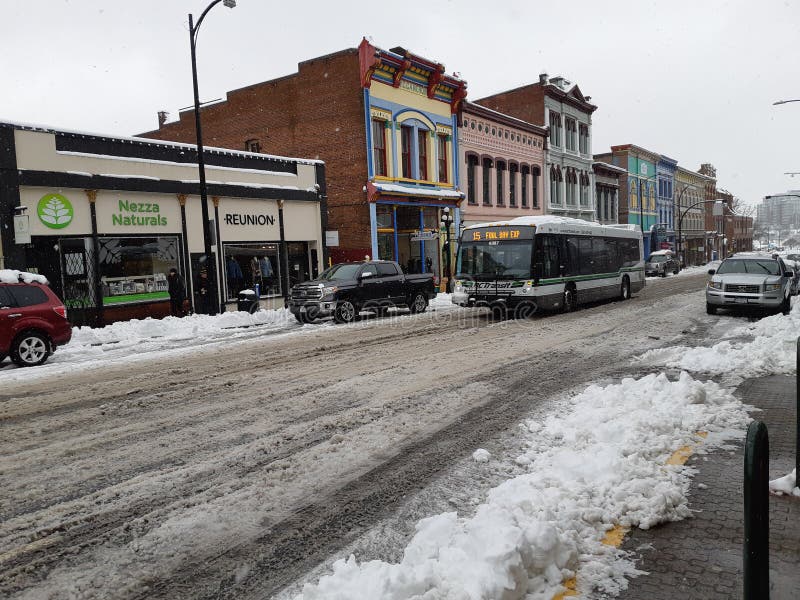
502	160
384	123
560	105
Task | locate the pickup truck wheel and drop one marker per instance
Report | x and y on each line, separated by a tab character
30	349
711	309
345	312
418	303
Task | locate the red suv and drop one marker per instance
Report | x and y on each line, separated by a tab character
33	321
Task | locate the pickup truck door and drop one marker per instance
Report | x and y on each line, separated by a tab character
370	286
393	281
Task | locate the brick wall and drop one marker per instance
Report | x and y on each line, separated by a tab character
315	113
526	103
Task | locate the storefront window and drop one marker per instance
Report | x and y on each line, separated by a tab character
248	265
135	269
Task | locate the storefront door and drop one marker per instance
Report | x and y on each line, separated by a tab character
297	253
78	280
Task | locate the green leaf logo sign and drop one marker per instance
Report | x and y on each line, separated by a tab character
55	211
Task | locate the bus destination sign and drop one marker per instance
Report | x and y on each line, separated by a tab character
498	234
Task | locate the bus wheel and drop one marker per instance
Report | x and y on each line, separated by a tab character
570	300
625	290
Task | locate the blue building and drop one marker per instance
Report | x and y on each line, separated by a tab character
664	237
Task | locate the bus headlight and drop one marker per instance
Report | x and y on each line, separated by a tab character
458	286
527	287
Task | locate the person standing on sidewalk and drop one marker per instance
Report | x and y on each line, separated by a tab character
177	293
203	292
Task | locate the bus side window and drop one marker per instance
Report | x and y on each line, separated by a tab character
586	258
571	257
614	261
547	255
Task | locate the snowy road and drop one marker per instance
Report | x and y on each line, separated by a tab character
232	468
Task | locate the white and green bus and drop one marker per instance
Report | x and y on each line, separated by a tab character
548	262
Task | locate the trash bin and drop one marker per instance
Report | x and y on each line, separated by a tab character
247	301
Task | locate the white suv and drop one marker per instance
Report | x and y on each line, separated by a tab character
751	281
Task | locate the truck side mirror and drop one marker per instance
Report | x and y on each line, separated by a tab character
711	271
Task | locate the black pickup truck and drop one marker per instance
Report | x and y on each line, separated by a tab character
345	289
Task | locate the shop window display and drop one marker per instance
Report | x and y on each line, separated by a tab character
248	265
135	269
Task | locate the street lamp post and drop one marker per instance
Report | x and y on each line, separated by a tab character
210	263
683	214
447	221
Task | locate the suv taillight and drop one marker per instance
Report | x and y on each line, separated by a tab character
61	311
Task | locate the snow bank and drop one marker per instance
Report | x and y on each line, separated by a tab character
771	350
785	485
603	464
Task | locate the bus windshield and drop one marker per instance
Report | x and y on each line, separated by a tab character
495	259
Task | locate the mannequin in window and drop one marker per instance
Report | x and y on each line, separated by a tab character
235	276
267	274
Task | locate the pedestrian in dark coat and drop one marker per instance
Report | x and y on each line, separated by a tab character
177	293
203	293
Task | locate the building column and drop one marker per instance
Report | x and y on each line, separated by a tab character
187	277
91	195
518	186
492	183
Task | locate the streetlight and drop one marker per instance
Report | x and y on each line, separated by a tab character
210	264
683	214
447	220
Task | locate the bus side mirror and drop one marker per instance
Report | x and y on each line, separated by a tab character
537	270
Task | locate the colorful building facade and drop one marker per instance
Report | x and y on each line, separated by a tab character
637	204
411	115
690	210
502	161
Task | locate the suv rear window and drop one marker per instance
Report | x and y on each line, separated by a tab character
26	295
386	270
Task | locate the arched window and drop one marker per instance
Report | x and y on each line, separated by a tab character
472	163
523	191
634	197
584	189
535	186
486	183
555	185
513	168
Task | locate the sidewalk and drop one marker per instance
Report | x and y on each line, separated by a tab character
701	558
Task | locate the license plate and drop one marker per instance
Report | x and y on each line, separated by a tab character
740	300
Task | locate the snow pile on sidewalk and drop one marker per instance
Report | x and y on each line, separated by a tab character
770	352
602	464
190	327
785	485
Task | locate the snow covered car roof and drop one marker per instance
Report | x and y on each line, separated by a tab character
14	276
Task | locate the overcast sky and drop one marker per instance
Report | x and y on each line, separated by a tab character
694	80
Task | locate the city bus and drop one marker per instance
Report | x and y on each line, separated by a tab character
549	262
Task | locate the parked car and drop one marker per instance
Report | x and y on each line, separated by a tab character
33	321
750	281
345	289
662	262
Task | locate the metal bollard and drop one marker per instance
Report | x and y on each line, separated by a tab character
756	513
